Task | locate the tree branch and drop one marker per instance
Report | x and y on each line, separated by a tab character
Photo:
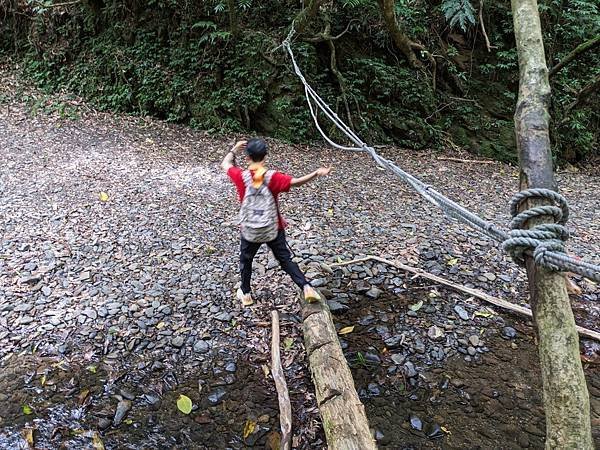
335	38
485	36
326	36
581	48
473	292
58	5
582	97
401	40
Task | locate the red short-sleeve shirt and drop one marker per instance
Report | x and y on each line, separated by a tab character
280	182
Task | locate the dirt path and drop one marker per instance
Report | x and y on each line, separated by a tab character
127	303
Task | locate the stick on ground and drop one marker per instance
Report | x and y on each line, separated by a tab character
474	292
285	407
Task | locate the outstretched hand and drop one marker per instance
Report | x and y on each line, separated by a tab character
323	171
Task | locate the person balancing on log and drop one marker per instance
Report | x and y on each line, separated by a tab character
260	220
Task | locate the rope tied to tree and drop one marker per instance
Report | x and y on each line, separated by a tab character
542	239
546	242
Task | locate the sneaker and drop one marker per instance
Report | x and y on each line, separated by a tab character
246	299
311	295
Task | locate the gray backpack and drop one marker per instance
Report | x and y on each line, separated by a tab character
258	214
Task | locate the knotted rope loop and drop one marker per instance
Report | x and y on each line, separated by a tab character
543	240
539	193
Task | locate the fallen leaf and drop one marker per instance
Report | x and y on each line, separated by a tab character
60	365
287	343
97	441
91	369
128	421
417	306
445	430
184	404
83	395
27	410
29	437
330	212
249	427
103	197
273	441
160	325
346	330
452	262
266	370
43	380
484	313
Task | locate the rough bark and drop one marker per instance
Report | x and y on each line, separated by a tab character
582	48
344	419
566	400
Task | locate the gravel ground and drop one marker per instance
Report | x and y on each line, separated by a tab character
147	277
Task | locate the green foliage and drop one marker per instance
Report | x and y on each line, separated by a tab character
459	12
355	3
186	62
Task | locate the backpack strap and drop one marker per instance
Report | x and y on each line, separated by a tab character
268	176
247	178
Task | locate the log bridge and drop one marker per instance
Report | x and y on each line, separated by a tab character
343	415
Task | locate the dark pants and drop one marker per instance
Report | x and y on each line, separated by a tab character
282	253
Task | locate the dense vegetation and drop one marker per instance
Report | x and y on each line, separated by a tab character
419	73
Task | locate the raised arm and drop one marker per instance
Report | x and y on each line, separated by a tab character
320	172
229	160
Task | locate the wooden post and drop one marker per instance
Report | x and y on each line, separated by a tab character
344	419
566	400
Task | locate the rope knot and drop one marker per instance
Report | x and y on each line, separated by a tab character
542	239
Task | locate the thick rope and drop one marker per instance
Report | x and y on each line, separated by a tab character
546	242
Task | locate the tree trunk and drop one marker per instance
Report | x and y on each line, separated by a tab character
401	40
566	400
233	21
344	419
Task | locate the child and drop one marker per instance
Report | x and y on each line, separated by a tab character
261	222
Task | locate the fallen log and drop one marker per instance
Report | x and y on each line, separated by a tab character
343	415
285	407
474	292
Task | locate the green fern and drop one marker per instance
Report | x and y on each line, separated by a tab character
244	5
459	12
205	25
354	3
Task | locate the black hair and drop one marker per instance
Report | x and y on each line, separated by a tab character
256	149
